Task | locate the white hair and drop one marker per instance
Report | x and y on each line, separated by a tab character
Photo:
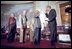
11	14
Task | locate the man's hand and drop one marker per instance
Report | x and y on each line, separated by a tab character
48	19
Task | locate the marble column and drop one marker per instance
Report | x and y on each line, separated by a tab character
21	29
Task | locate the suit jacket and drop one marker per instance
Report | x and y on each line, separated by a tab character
52	17
37	22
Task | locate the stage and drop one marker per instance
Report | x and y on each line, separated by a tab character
28	44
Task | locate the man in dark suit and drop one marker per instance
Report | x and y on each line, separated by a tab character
51	15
